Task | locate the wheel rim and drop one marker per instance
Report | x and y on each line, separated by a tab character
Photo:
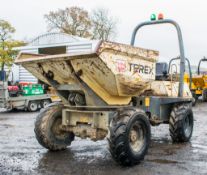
187	125
33	106
57	131
137	137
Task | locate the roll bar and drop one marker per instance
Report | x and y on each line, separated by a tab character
189	68
202	60
181	46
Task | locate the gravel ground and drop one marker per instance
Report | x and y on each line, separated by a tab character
20	153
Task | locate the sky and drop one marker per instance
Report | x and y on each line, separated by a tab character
27	17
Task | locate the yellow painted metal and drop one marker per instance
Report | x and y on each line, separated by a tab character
115	72
199	82
147	101
198	92
53	94
84	119
101	92
168	89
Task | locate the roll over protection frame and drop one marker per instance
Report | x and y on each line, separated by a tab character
181	46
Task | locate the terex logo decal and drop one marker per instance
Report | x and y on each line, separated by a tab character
121	66
138	68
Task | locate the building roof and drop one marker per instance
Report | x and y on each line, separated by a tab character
53	40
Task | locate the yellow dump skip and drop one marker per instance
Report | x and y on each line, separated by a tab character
115	72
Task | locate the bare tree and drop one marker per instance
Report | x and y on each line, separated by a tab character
77	21
73	20
103	25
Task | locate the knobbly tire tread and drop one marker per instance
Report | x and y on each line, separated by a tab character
41	130
176	122
118	138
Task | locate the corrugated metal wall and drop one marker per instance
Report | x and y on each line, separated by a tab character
82	47
73	45
24	75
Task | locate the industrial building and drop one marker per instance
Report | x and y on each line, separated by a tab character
49	44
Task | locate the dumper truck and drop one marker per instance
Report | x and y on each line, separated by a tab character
197	83
112	92
200	82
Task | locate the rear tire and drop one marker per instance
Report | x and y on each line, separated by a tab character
48	131
130	135
204	94
181	123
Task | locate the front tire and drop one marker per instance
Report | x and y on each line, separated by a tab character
181	123
130	135
48	131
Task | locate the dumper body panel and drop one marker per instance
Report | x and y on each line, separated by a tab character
115	72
